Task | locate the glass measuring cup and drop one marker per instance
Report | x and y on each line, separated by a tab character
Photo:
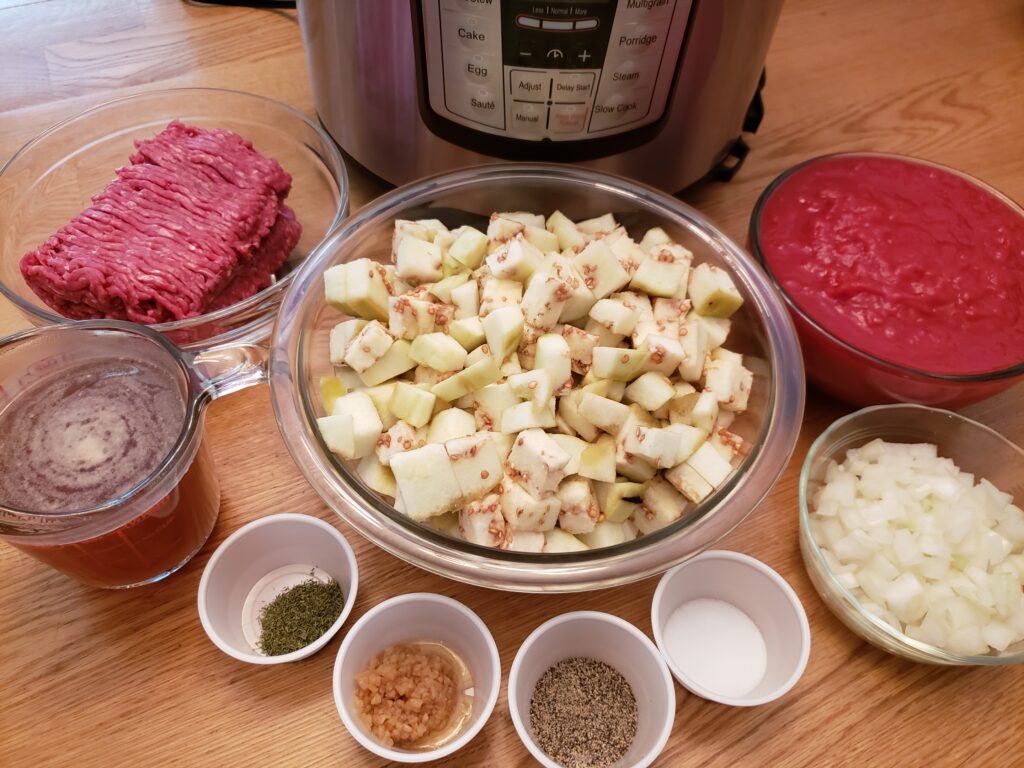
154	526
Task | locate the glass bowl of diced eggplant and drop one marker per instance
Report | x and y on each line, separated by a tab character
536	378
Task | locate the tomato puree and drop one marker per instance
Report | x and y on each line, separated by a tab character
905	261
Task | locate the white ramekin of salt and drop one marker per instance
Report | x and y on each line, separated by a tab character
731	629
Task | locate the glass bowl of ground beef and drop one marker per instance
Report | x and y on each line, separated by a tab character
186	210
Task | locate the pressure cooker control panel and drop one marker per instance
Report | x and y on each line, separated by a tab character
562	70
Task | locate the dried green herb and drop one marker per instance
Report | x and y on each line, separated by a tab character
299	615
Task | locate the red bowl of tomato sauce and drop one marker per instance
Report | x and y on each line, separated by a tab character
905	279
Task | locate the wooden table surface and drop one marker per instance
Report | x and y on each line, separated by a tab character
95	678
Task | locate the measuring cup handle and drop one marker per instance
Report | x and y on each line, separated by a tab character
229	368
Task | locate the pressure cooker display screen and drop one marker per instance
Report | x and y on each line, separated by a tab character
571	35
559	71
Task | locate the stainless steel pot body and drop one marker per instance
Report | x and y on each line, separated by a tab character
411	88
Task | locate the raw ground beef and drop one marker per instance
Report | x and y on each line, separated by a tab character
197	222
256	275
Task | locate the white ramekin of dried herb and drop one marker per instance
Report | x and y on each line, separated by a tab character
278	589
590	689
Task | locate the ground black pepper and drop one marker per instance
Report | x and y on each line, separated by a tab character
299	615
583	713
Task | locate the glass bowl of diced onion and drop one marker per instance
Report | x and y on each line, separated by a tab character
912	532
760	330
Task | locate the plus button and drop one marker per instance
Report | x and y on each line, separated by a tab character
584	56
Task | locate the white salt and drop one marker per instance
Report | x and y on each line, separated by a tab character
717	646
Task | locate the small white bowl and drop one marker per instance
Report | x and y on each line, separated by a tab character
619	644
419	616
255	564
758	591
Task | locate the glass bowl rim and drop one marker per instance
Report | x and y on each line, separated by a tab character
784	416
756	251
848	598
194	401
336	166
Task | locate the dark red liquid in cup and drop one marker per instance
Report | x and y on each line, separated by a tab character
150	545
85	436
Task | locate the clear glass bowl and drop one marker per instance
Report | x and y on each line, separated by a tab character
51	179
972	446
861	378
762	331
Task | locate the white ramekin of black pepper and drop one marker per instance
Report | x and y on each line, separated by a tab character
589	687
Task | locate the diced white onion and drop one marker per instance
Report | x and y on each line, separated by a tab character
923	547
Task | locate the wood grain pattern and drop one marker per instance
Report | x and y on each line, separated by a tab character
93	678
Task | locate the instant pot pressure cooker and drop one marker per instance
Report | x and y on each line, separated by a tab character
657	90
